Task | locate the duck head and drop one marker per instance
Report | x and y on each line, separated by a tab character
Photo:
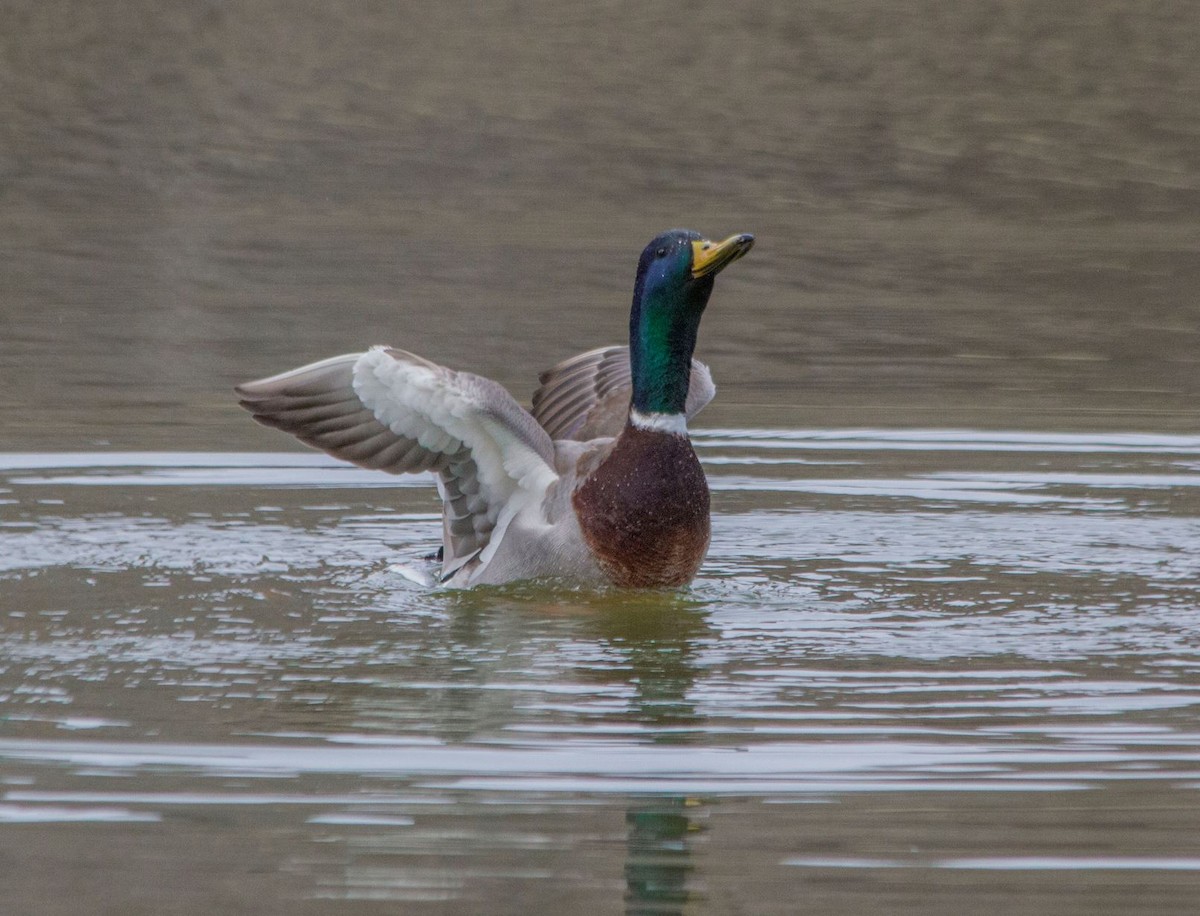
675	277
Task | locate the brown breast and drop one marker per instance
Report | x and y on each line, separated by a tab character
644	511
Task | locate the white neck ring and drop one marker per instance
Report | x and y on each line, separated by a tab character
674	423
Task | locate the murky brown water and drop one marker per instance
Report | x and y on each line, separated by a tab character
945	653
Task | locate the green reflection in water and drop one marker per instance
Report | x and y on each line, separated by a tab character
659	862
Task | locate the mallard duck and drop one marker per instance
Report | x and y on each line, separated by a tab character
598	483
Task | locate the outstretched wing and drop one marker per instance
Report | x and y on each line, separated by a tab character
393	411
587	396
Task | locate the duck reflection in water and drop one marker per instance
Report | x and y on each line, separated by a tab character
658	639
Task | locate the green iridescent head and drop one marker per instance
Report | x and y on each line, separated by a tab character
674	280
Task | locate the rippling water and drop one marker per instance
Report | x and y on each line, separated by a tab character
925	671
912	658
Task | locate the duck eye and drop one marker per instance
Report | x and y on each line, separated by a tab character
661	253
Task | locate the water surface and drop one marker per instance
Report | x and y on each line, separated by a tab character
915	663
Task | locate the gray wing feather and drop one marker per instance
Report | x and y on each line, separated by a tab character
587	396
318	405
435	425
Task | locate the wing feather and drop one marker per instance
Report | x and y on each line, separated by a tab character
390	410
587	396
